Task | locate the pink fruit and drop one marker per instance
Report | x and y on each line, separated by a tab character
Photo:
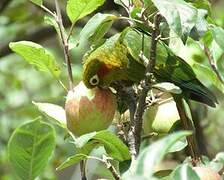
206	173
89	110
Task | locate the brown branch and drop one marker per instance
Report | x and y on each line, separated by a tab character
212	63
187	125
136	123
64	44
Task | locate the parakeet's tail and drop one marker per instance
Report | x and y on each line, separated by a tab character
200	93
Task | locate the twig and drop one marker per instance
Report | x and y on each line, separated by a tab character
108	165
136	123
212	63
64	43
150	135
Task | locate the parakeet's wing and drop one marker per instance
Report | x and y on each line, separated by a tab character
177	71
169	67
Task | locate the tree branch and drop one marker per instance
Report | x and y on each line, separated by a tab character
136	122
64	44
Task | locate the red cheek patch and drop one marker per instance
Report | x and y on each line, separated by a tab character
104	70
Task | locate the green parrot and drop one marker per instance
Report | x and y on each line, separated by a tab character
118	59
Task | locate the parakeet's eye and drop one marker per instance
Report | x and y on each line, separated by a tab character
94	80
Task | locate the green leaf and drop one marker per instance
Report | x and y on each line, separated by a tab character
168	87
205	72
97	27
218	35
77	9
30	148
184	172
84	139
112	144
153	154
37	2
178	146
54	111
36	55
180	16
72	160
133	41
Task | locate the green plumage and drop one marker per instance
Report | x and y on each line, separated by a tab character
120	55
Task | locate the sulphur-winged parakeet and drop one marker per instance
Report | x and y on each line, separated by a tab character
118	59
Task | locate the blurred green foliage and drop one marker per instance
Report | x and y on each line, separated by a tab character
20	84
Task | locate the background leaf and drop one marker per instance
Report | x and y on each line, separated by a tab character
36	55
30	147
181	16
54	111
96	27
153	154
77	9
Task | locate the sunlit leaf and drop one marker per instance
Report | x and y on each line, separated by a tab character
30	148
54	111
96	27
77	9
180	15
36	55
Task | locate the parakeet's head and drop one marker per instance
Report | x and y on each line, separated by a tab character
95	72
105	64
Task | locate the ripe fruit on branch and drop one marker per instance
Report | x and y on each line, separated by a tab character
206	173
89	110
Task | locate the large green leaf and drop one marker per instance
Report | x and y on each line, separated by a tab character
96	27
30	148
180	15
36	55
112	144
153	154
184	172
54	111
77	9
